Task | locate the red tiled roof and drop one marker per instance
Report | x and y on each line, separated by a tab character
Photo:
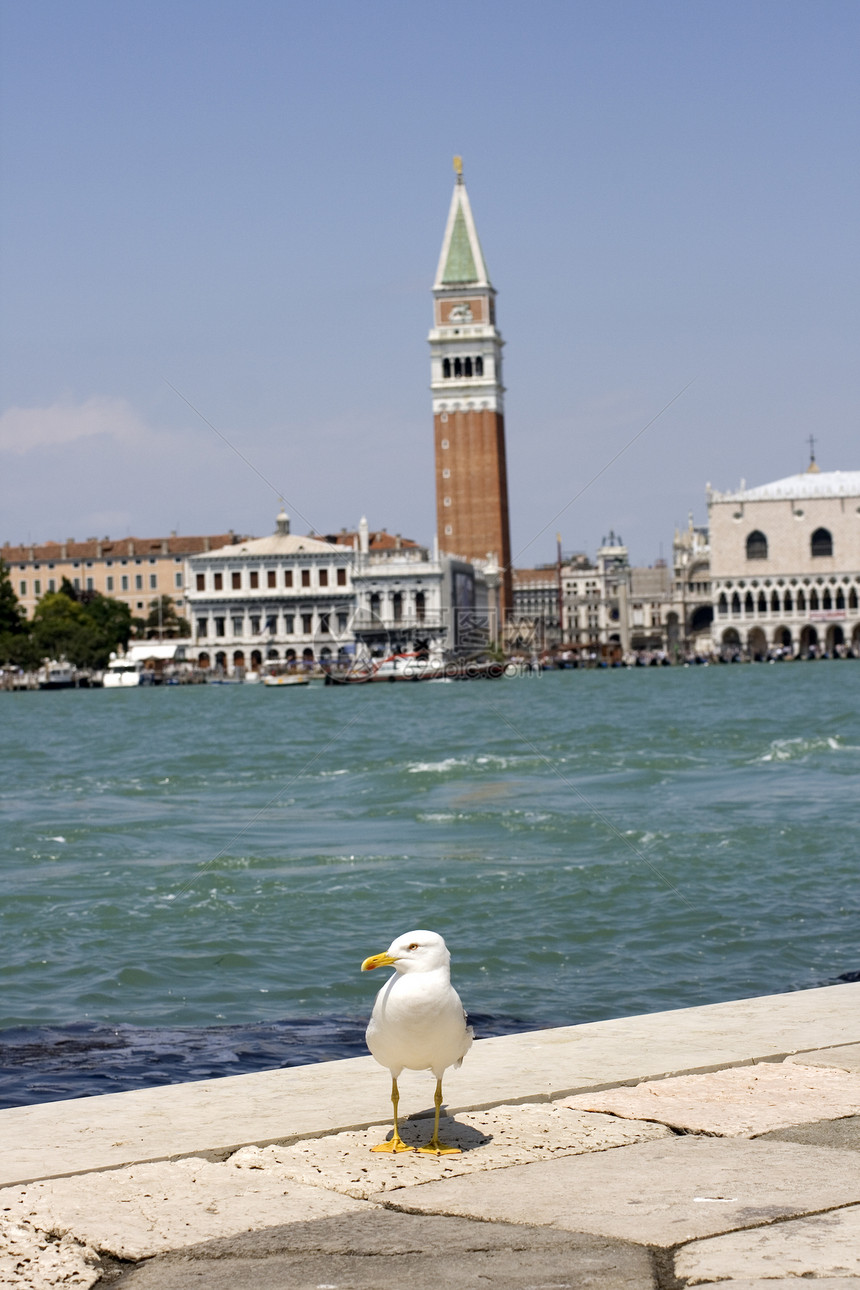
114	548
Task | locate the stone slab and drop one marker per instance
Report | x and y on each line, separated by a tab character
496	1139
824	1133
217	1117
146	1209
382	1250
787	1283
659	1193
31	1260
741	1102
846	1058
822	1245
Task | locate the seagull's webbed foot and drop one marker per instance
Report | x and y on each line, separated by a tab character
434	1147
393	1144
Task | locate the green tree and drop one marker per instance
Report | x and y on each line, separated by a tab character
14	633
12	618
82	627
163	620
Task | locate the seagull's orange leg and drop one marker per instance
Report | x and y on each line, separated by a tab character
434	1147
395	1142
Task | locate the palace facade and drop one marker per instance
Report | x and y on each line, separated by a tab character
785	565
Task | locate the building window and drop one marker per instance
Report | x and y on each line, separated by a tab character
289	623
446	474
138	582
774	603
479	366
444	443
723	605
852	598
201	581
90	584
324	624
374	604
446	501
236	580
449	529
341	577
271	578
255	626
342	620
821	542
762	603
153	581
419	606
123	582
306	577
788	603
22	588
237	626
307	624
813	600
202	627
219	626
177	581
255	579
756	546
288	578
219	582
446	368
840	599
826	601
736	603
323	577
397	606
467	367
37	587
272	624
458	367
801	601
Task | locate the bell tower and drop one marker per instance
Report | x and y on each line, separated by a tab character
468	399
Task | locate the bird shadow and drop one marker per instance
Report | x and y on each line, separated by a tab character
451	1132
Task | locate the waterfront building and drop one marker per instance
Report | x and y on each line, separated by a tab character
410	600
691	615
610	607
468	401
133	570
285	597
785	565
535	623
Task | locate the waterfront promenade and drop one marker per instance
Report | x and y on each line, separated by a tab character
715	1145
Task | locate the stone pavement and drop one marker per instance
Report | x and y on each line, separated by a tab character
737	1165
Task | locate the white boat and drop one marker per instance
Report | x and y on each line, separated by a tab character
122	673
56	676
286	678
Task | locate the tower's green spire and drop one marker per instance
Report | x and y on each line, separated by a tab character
460	264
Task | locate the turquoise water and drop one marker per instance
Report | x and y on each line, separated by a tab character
591	844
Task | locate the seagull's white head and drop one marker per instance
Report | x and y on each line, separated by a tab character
412	952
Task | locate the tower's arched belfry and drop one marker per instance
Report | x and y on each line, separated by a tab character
468	399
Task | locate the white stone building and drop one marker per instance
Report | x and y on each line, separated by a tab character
785	565
285	597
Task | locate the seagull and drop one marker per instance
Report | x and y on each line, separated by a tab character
418	1022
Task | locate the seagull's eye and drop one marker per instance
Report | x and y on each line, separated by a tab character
413	946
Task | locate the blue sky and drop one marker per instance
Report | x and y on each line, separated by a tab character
246	202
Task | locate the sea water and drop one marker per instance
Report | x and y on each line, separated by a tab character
193	875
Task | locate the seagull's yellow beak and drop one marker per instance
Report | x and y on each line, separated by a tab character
378	960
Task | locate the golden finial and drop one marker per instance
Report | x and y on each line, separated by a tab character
458	167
